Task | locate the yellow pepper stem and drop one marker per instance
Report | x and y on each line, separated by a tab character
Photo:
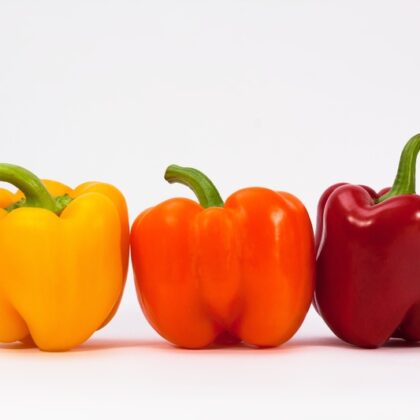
36	195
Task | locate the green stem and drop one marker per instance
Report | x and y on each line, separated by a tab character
405	181
203	188
36	195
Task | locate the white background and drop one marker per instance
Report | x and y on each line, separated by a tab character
292	95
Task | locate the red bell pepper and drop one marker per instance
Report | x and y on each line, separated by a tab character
368	258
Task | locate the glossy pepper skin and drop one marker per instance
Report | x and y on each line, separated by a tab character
222	273
368	259
63	259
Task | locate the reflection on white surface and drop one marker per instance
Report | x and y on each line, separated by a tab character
127	371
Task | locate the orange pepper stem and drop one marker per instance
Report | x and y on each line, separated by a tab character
200	184
36	195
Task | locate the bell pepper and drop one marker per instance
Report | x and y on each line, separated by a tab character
217	273
63	259
368	265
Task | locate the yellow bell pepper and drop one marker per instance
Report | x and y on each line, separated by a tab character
63	259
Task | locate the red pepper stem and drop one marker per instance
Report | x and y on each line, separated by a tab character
36	195
200	184
405	181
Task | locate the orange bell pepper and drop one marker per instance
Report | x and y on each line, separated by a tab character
218	273
63	259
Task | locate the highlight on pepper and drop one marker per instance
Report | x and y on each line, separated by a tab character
215	272
63	259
